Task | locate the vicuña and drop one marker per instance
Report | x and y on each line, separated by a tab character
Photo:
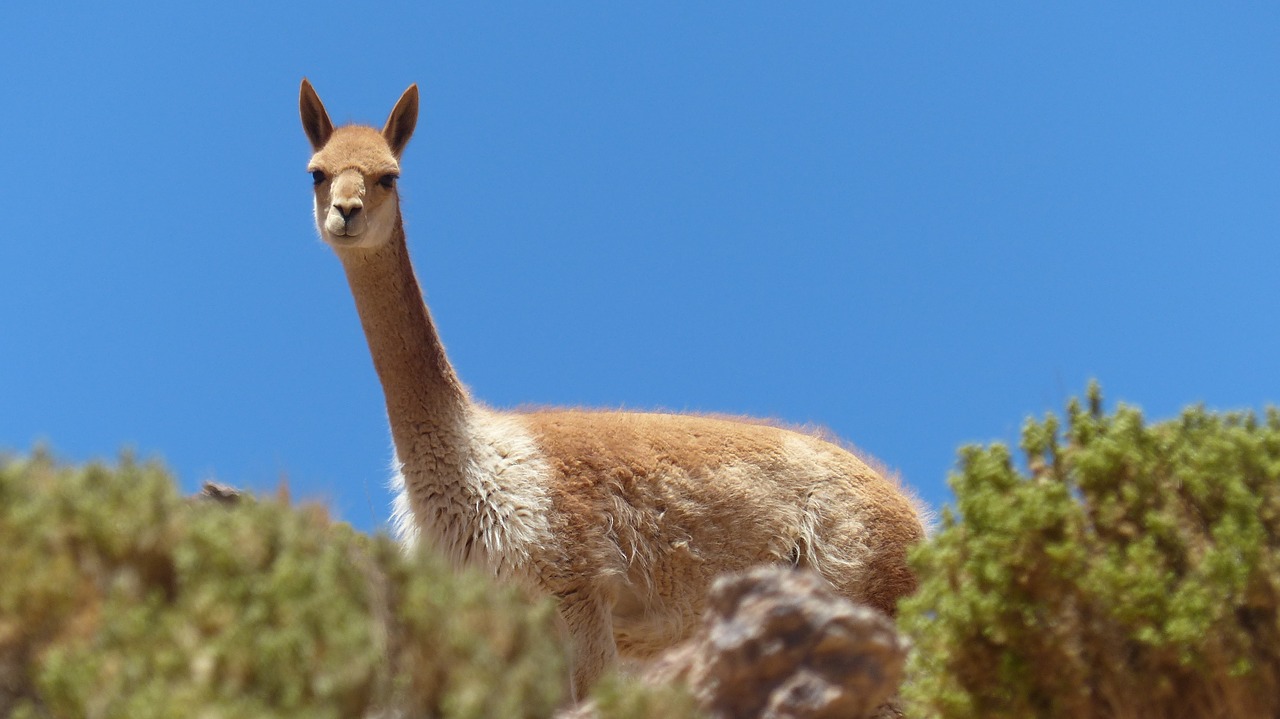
623	517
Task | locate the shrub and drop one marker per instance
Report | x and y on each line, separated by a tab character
1126	570
619	698
119	598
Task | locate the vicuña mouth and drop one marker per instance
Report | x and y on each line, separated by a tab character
346	229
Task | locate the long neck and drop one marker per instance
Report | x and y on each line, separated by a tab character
425	401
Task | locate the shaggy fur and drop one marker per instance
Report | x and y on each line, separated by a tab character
624	517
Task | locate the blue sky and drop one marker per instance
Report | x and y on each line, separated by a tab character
915	224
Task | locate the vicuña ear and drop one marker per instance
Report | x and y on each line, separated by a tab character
403	119
315	121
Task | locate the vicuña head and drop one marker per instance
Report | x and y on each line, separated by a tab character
355	169
624	517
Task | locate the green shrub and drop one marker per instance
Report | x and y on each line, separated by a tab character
618	698
118	598
1128	570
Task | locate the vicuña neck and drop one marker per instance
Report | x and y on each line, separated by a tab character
426	403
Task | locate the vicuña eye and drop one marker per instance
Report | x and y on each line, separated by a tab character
318	176
387	181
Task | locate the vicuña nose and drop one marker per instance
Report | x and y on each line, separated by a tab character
348	208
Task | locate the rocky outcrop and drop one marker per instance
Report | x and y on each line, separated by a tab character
780	643
221	493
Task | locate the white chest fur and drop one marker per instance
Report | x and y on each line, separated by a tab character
489	509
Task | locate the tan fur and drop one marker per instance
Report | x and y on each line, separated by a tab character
624	517
684	498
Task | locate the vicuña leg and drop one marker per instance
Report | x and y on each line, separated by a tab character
590	627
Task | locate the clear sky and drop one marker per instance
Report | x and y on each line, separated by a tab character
916	224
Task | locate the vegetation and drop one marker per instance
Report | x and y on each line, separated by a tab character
618	698
121	599
1114	569
1126	570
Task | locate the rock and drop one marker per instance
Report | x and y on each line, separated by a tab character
222	493
779	643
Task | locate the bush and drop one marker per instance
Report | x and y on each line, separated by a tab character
619	698
121	599
1128	570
